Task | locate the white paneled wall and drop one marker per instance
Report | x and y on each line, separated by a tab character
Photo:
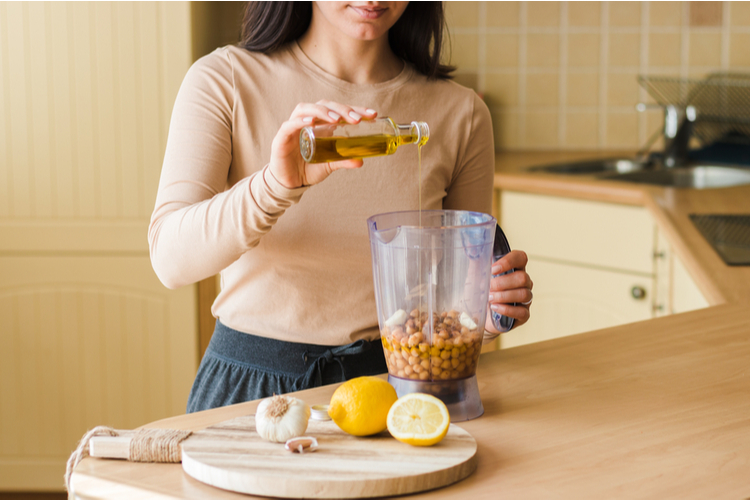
88	335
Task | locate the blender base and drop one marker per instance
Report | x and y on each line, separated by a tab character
460	396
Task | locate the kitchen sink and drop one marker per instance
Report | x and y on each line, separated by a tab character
651	171
588	167
696	176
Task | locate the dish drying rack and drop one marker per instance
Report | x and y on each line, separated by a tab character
721	102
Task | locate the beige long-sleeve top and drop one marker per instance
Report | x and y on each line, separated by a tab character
295	263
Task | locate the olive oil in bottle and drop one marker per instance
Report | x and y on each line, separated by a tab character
380	137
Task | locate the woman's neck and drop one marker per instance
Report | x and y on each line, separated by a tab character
354	61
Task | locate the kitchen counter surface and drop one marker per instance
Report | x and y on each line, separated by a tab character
656	409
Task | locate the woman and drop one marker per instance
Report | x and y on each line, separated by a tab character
296	307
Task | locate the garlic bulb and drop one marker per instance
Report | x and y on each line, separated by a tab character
281	418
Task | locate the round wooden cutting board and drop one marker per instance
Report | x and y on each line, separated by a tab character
232	456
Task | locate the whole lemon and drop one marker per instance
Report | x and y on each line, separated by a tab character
360	406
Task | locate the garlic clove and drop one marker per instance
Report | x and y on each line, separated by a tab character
466	321
302	444
398	318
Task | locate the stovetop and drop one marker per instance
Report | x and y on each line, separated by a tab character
729	235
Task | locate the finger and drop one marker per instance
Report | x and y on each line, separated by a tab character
520	313
317	111
515	259
519	296
346	164
350	114
518	279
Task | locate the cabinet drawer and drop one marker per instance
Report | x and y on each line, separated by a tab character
586	232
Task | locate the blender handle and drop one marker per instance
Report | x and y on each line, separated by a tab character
500	248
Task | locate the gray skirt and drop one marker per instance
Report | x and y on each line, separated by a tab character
239	367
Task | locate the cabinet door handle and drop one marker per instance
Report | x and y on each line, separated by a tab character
638	292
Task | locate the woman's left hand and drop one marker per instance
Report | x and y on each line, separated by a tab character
510	288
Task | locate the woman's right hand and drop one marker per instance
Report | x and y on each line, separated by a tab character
286	162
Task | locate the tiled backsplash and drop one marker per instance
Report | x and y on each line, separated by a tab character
562	75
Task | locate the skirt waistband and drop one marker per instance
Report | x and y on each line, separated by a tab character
307	361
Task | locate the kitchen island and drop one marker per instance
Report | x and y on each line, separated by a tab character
655	409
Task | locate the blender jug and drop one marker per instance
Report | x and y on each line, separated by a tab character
432	280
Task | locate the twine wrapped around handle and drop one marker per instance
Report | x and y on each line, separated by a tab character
146	445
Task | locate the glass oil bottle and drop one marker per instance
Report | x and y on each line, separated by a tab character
343	141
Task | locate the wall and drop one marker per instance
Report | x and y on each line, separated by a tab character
562	75
88	334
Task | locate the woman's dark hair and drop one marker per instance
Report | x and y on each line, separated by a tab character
417	37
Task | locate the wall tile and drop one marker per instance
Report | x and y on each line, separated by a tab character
665	13
502	14
582	89
705	49
584	14
624	49
542	89
502	50
532	122
501	90
505	128
582	130
622	130
706	13
583	49
622	89
542	50
664	49
541	131
739	14
623	14
464	51
543	14
462	14
739	54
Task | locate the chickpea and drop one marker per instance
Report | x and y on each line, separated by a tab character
455	353
425	364
410	330
446	365
436	361
445	375
440	344
445	354
454	363
401	374
424	375
414	376
436	371
408	370
413	361
424	347
400	364
414	313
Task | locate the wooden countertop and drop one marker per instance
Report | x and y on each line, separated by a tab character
657	409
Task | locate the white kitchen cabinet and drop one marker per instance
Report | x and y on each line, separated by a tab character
686	295
592	263
571	299
89	335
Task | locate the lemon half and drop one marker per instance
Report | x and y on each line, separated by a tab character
418	419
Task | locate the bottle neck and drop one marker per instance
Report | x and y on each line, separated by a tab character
414	133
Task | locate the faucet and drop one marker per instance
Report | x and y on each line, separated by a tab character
678	128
